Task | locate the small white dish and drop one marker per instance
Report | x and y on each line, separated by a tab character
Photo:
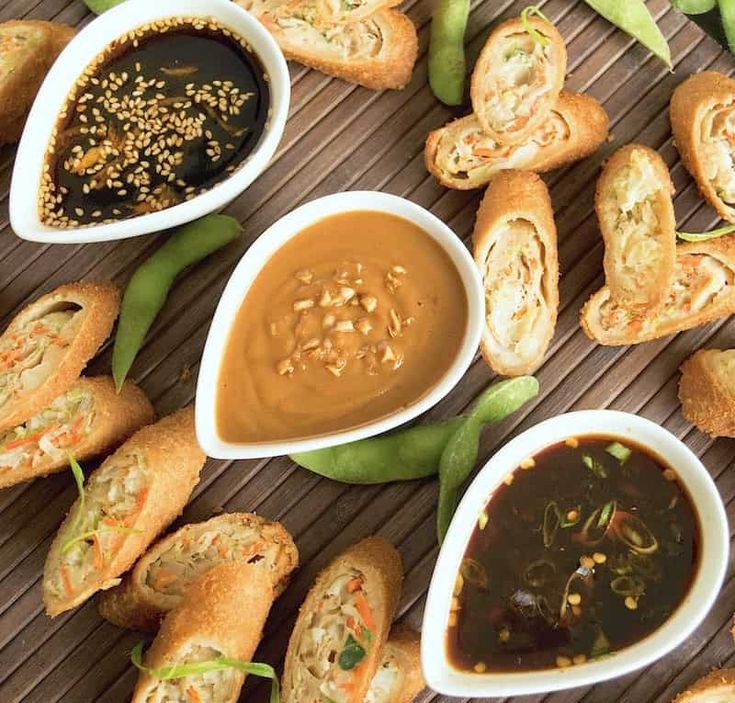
444	678
248	269
89	43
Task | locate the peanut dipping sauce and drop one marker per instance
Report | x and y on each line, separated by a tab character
357	316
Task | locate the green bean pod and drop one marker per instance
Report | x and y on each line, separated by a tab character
694	7
727	12
447	63
400	456
148	288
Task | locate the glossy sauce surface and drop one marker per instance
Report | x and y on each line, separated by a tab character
357	316
579	556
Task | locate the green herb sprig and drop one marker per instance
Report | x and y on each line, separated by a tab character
706	236
526	13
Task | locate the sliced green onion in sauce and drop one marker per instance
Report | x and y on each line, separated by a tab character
619	451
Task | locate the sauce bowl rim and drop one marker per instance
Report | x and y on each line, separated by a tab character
707	580
251	264
52	96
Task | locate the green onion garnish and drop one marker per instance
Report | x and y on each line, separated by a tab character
619	451
594	466
78	515
177	671
87	535
705	236
532	31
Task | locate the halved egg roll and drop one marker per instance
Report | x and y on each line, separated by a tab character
703	290
127	501
48	343
87	420
636	216
461	156
221	615
718	686
515	251
703	123
707	391
337	641
162	575
517	78
398	678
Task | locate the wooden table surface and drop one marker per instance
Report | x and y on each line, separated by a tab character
342	137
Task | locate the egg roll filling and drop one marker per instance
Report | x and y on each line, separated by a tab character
387	681
350	42
515	300
336	638
30	353
632	202
523	74
700	281
466	152
346	9
724	368
194	553
718	150
51	434
103	517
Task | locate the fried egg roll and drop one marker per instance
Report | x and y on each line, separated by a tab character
163	574
221	615
636	215
703	290
127	501
337	641
461	156
516	253
398	678
517	78
716	687
48	344
88	419
703	123
707	391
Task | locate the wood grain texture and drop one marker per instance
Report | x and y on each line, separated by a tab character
342	137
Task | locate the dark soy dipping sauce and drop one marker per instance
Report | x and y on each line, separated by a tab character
163	115
574	523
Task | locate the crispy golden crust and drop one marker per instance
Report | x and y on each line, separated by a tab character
631	278
716	687
116	417
389	66
173	458
23	66
487	67
381	565
405	645
99	303
706	391
517	196
689	104
703	290
137	606
575	128
225	609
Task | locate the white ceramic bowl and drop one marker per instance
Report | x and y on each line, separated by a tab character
439	672
89	43
248	269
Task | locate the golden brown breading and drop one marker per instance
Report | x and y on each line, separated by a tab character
516	253
113	418
28	48
377	52
707	391
96	306
152	588
716	687
703	290
510	60
635	211
221	614
142	488
702	120
401	679
379	567
460	155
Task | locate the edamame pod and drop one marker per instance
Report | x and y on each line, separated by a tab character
100	6
633	17
148	288
694	7
727	12
447	65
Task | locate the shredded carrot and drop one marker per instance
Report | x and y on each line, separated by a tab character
354	585
253	549
99	558
141	498
222	551
165	577
68	587
353	625
365	613
193	695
